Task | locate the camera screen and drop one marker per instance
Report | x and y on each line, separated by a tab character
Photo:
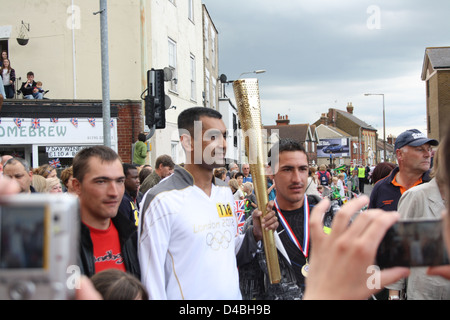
22	237
413	243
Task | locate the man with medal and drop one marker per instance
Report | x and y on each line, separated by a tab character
292	207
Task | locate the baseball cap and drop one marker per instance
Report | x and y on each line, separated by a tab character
414	138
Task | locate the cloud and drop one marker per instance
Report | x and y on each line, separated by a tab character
324	53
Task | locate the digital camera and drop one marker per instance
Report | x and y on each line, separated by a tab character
38	246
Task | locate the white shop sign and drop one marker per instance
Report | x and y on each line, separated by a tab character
63	152
64	131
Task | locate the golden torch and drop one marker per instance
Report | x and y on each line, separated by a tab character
246	92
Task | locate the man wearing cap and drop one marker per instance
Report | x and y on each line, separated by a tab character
413	150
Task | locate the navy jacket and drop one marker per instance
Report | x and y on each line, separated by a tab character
385	195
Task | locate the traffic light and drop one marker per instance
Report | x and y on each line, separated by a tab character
155	108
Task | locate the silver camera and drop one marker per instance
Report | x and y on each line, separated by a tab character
39	246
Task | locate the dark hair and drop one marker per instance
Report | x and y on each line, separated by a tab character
381	171
165	160
144	173
238	174
114	284
285	144
142	137
127	167
187	118
81	159
30	73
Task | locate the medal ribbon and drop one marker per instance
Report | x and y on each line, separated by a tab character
289	231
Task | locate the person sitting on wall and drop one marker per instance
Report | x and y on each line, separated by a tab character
28	88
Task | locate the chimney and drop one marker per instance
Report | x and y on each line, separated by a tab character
282	120
324	119
350	108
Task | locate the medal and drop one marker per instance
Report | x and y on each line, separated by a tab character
305	248
305	269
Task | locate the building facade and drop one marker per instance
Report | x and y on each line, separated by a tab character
363	142
436	74
64	52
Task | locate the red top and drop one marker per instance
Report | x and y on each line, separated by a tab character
107	251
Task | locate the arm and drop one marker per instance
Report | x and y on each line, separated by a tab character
153	243
348	252
248	244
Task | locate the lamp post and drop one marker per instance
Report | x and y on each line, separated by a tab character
256	72
384	123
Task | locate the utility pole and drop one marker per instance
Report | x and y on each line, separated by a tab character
105	73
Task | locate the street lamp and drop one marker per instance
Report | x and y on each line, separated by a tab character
256	71
384	123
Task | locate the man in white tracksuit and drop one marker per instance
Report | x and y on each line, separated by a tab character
189	245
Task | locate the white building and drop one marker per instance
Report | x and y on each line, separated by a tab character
64	52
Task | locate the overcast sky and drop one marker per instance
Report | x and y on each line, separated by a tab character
322	54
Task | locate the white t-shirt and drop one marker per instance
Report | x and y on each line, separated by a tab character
188	241
5	77
340	185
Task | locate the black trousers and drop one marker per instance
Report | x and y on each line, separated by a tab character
361	184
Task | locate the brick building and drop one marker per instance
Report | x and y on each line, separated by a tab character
303	133
364	136
436	74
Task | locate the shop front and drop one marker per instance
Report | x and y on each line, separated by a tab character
46	137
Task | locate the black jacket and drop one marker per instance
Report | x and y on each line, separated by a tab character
27	90
386	195
128	243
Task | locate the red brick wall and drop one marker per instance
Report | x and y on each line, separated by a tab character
130	124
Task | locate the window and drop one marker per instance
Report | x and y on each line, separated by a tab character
213	48
174	151
193	95
207	104
213	100
173	64
191	10
206	37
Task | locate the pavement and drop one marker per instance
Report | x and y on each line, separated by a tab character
368	189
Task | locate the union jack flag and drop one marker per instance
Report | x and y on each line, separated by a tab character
55	163
18	122
92	121
55	120
239	206
35	123
112	123
74	121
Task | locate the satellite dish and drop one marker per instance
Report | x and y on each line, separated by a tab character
223	78
167	74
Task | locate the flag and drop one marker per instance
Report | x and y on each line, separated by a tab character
74	121
35	123
54	120
92	121
18	122
239	206
55	163
112	123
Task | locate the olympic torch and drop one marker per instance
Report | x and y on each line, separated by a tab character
246	92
